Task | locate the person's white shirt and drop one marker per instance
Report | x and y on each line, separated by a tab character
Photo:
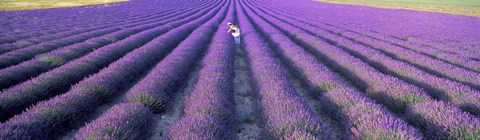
236	32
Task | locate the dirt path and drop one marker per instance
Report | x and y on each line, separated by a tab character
246	109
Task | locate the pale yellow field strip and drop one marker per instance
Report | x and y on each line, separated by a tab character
43	4
451	9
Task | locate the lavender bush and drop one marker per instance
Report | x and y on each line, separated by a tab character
122	121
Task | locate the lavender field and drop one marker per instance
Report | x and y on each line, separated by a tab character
168	69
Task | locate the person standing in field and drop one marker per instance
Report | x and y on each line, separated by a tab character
235	33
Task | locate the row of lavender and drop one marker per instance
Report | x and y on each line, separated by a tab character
97	60
82	19
46	61
356	108
440	88
50	42
25	24
43	20
346	105
26	36
421	109
436	49
76	30
59	79
208	108
365	91
430	29
285	113
62	54
51	117
465	59
441	68
156	89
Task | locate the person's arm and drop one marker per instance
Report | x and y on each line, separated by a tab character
229	30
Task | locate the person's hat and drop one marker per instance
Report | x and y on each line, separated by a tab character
229	23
